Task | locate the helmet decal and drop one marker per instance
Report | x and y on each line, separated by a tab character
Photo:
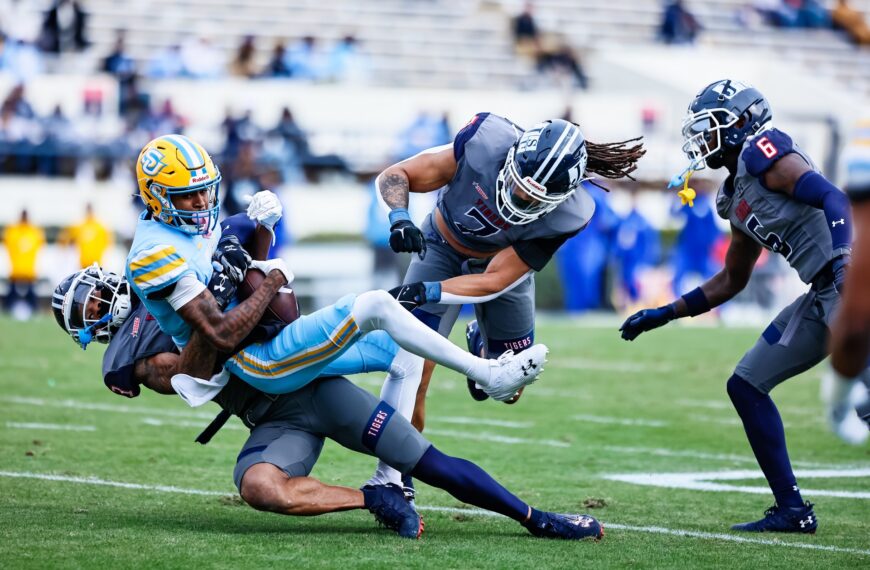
152	162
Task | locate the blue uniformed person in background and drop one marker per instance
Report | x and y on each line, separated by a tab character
775	198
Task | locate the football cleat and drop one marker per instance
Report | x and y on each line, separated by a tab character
512	372
472	339
783	519
566	527
388	504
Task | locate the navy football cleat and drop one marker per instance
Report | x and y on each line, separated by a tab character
566	527
783	519
388	504
472	340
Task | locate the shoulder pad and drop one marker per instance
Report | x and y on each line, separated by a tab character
764	149
156	267
465	134
573	215
723	201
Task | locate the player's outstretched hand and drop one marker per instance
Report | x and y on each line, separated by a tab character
410	296
274	264
839	266
231	259
405	236
646	320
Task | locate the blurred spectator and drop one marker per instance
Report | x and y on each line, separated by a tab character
166	63
23	243
242	178
90	236
63	29
636	246
200	59
19	21
277	65
527	40
793	13
427	130
582	260
305	60
563	61
58	145
852	21
679	26
244	64
237	131
693	253
16	104
346	62
123	67
20	58
159	121
294	138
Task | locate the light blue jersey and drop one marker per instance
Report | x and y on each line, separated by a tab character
159	257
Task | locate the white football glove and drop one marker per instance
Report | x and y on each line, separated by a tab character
270	264
266	209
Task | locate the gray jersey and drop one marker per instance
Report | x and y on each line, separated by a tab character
775	220
468	202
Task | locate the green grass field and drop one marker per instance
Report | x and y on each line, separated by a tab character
603	407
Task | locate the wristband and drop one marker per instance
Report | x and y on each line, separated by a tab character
433	291
696	302
398	215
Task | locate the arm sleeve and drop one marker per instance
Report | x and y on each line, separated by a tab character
185	289
465	134
536	253
814	190
764	150
157	269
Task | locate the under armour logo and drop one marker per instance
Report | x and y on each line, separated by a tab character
840	221
220	286
807	521
528	367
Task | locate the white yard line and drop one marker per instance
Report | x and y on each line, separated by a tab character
664	452
706	481
619	421
480	421
115	408
61	427
186	423
452	510
495	438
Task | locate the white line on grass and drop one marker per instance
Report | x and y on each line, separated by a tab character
62	427
453	510
80	405
704	481
609	365
495	438
481	421
185	423
664	452
620	421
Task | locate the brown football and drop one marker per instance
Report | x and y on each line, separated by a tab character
283	307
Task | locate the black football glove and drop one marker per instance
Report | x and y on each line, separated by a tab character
646	320
405	236
231	259
222	288
411	295
839	267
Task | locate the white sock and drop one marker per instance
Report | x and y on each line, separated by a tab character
399	391
377	310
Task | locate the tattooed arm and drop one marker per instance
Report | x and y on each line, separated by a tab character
155	372
425	172
225	331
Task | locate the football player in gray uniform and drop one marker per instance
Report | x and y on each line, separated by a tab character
850	335
510	199
288	430
775	198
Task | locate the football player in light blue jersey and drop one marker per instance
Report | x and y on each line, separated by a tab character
170	264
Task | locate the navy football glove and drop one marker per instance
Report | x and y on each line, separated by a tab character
222	288
839	265
646	320
410	296
231	259
405	236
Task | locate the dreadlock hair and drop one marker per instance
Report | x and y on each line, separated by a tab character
614	160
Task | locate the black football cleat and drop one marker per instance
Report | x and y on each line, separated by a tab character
566	527
388	504
472	340
783	519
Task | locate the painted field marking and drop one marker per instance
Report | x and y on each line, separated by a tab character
665	452
61	427
495	438
186	423
115	408
706	481
619	421
609	365
452	510
480	421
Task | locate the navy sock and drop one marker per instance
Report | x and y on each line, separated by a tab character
766	435
468	483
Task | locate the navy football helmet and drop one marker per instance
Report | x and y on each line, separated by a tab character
711	124
542	169
91	304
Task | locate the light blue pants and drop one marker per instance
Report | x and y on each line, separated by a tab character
325	342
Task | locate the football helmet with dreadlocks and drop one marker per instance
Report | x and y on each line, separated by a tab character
542	169
91	304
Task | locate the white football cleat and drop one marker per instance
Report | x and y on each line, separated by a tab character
514	371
